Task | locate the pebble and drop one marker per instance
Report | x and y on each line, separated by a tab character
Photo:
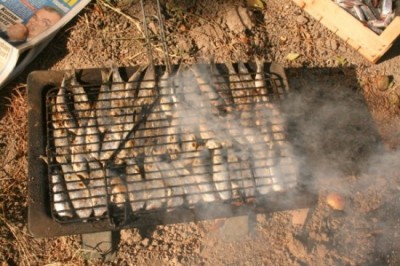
237	19
145	242
299	216
382	82
335	201
301	20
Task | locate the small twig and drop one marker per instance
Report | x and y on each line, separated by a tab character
122	39
134	20
136	55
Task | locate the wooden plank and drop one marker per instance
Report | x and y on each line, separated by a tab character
350	29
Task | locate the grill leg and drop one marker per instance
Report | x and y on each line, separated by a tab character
100	245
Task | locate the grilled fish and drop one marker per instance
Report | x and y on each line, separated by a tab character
116	187
261	163
189	146
147	91
158	124
114	133
208	134
92	137
190	187
261	89
131	91
78	192
236	87
110	144
81	101
146	97
201	175
210	95
166	100
63	109
173	138
61	136
118	92
60	197
240	173
173	183
103	103
247	82
135	185
280	146
78	155
155	188
221	175
221	85
131	87
125	152
97	188
118	193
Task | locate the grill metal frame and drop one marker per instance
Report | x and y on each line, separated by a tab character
42	223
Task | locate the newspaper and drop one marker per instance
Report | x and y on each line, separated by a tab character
26	27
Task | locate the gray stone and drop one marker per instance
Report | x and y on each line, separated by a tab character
237	19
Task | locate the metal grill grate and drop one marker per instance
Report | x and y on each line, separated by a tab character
203	142
163	141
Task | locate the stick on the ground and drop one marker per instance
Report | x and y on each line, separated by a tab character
134	20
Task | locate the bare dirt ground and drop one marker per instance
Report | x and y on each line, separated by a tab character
349	124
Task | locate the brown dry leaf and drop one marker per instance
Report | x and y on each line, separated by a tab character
182	27
98	10
243	39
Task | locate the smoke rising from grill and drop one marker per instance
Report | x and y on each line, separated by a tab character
334	133
244	131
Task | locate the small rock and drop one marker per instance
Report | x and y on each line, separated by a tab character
382	82
335	201
145	242
301	20
237	19
299	216
136	238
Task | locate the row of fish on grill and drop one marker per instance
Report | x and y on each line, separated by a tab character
376	14
162	140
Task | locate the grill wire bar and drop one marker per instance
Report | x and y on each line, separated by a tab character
202	134
161	37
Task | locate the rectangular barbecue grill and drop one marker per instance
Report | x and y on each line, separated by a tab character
120	148
201	143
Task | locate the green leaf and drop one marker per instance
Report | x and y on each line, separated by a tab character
341	60
257	4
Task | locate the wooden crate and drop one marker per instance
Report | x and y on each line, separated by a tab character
351	30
